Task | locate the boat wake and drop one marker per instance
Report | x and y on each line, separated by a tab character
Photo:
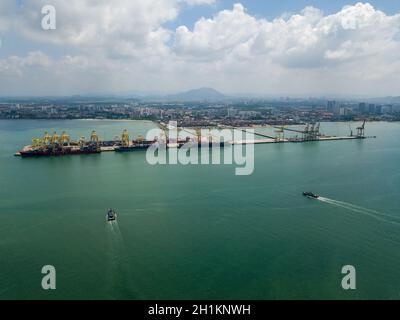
118	274
381	216
114	227
115	253
115	240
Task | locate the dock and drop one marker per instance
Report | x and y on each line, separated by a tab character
61	145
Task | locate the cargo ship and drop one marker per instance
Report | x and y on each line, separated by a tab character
60	145
143	145
29	152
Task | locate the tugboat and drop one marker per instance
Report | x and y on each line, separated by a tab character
310	195
111	215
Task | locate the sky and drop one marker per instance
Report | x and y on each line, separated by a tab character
269	47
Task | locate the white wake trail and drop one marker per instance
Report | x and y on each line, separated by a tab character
365	211
362	208
116	233
116	269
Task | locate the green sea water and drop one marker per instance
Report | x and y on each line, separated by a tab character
200	232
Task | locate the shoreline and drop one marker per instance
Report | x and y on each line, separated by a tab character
83	119
155	121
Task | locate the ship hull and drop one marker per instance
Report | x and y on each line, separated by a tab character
134	148
37	154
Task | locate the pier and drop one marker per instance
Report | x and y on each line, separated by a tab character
60	145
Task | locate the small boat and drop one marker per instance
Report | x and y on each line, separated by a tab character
310	195
111	215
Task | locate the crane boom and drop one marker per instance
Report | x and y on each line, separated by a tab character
245	131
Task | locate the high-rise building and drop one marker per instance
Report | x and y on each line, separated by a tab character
387	109
344	111
362	108
331	106
371	108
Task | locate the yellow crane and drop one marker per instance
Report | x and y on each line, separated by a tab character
37	143
125	138
64	139
46	138
94	138
55	139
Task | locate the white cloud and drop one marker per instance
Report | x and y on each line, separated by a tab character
120	27
226	31
127	46
309	39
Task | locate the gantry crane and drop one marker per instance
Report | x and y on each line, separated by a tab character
55	140
211	139
37	143
125	138
64	139
163	136
164	131
245	131
94	138
280	133
361	130
311	132
46	138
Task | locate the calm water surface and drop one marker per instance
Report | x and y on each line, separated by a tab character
200	232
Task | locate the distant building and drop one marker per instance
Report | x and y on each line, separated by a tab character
248	114
343	111
371	109
331	106
362	108
232	112
387	109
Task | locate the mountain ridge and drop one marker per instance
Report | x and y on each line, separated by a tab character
199	94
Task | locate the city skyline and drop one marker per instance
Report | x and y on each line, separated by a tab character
295	48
